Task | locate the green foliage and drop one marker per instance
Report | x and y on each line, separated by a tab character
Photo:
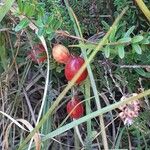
126	42
134	16
22	24
90	14
141	123
48	16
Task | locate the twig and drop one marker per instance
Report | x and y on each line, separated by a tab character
116	84
131	66
124	65
4	29
107	84
67	34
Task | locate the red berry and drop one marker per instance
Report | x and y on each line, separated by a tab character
78	111
60	53
38	54
72	67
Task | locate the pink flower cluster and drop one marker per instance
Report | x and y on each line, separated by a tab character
129	111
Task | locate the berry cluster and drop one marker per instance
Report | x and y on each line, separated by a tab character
72	65
129	111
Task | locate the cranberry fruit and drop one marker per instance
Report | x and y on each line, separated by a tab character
60	53
72	67
38	54
78	111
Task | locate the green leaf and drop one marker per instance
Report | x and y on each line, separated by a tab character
51	36
118	141
112	35
137	48
105	24
39	22
107	51
22	24
20	5
57	25
143	73
127	34
41	31
49	30
29	9
5	8
137	39
121	52
145	41
125	40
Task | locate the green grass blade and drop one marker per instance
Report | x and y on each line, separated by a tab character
87	94
5	7
119	139
93	84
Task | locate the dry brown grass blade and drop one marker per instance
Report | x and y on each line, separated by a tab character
36	137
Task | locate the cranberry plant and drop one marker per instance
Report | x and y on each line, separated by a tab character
74	77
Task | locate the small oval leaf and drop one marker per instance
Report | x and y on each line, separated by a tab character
137	48
125	40
107	51
121	52
143	73
137	39
112	35
22	24
145	41
127	34
29	9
